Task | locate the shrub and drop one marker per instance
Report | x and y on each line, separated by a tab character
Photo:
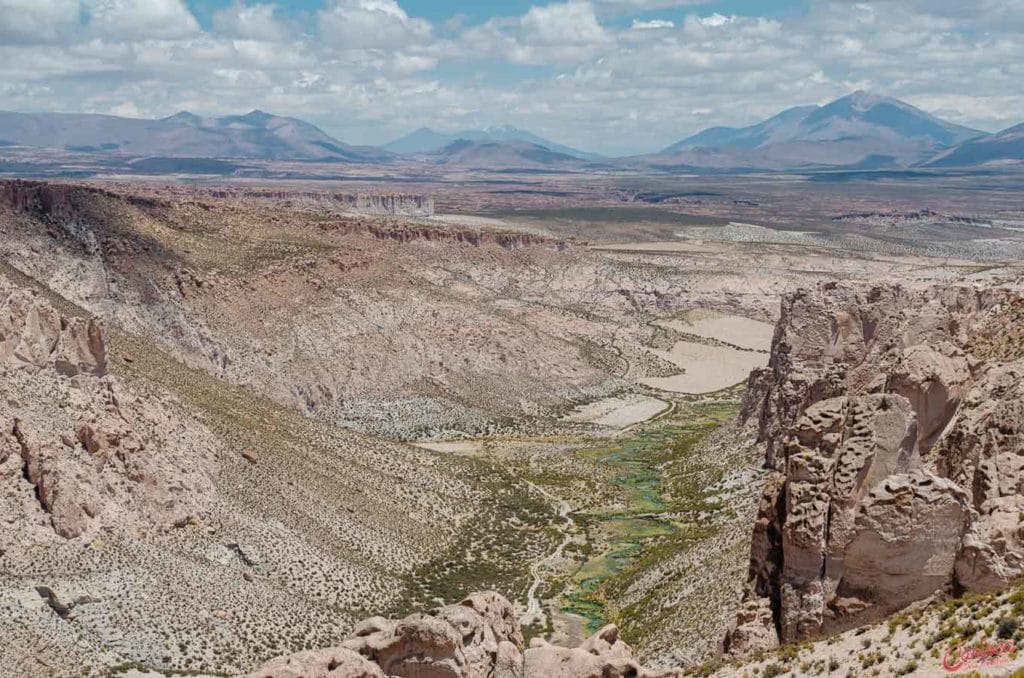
1007	627
909	667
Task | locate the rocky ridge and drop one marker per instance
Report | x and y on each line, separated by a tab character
363	203
896	445
477	638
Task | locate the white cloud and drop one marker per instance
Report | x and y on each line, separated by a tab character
716	20
37	21
569	23
406	64
130	20
369	24
251	22
367	71
644	5
653	24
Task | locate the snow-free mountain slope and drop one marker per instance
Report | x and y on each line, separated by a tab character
859	130
255	135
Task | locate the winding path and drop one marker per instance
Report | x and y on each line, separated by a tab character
534	610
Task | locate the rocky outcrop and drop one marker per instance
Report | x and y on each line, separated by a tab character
478	638
897	457
71	460
33	335
603	655
983	452
337	662
50	200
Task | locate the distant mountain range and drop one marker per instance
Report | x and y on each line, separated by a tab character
255	135
502	155
426	140
860	130
1005	146
857	131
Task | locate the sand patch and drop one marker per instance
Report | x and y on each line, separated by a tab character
454	446
706	368
619	411
730	329
471	220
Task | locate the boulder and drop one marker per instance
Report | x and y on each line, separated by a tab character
603	655
477	638
337	662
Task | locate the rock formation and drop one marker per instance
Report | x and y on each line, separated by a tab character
363	203
87	469
897	454
34	335
478	638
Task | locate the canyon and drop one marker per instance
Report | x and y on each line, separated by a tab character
505	428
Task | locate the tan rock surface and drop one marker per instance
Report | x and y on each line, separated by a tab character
907	484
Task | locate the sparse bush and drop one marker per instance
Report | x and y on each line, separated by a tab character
909	667
1007	627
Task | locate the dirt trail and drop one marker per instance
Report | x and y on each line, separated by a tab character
534	611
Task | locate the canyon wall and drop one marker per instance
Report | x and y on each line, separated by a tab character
362	203
893	423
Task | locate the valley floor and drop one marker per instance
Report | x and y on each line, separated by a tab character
640	509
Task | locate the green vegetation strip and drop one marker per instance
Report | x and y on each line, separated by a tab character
661	495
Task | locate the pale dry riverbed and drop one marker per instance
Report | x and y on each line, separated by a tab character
619	411
717	352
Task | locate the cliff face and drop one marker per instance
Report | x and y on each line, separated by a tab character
477	238
894	423
363	203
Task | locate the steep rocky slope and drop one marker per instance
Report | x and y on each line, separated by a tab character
894	423
155	516
403	326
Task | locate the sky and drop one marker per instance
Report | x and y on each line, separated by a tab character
611	76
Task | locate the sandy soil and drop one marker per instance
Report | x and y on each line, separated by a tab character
731	329
455	446
706	368
620	411
469	220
